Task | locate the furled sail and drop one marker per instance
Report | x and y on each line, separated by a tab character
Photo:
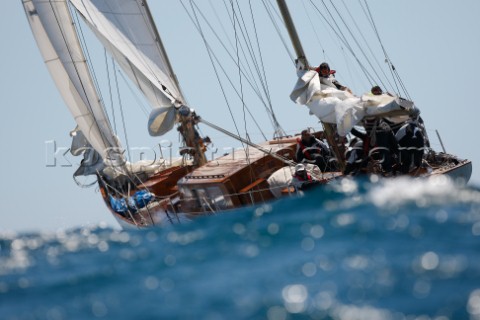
342	108
127	31
57	40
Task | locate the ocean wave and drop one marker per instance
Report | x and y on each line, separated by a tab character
357	249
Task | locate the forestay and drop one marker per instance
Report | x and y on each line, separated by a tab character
57	40
343	108
127	31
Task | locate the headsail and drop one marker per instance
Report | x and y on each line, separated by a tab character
54	32
127	31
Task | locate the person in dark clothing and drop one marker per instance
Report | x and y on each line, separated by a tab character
355	159
394	125
301	179
379	142
415	118
423	130
411	145
313	150
377	91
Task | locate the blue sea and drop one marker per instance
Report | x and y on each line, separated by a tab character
356	249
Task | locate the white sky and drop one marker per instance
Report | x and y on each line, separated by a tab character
434	44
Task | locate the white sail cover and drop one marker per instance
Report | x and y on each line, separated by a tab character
342	108
126	30
57	40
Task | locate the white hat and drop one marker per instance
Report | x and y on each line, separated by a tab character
299	167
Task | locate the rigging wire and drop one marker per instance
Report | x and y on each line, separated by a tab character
197	24
280	157
370	20
278	129
349	68
221	24
334	39
214	57
110	90
258	65
342	37
130	173
251	79
239	71
120	104
247	150
315	32
370	78
251	74
358	44
133	93
88	62
279	33
385	52
366	43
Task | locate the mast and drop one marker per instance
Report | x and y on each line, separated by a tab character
188	119
292	32
301	57
187	122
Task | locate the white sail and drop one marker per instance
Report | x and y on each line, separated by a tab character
57	40
127	31
341	107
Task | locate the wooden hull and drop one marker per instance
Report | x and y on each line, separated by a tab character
161	211
460	173
243	181
164	213
233	181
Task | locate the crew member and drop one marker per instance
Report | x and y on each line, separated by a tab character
313	150
301	179
327	77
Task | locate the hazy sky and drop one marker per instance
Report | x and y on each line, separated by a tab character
434	44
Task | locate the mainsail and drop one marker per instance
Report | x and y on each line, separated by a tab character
127	31
342	108
55	34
